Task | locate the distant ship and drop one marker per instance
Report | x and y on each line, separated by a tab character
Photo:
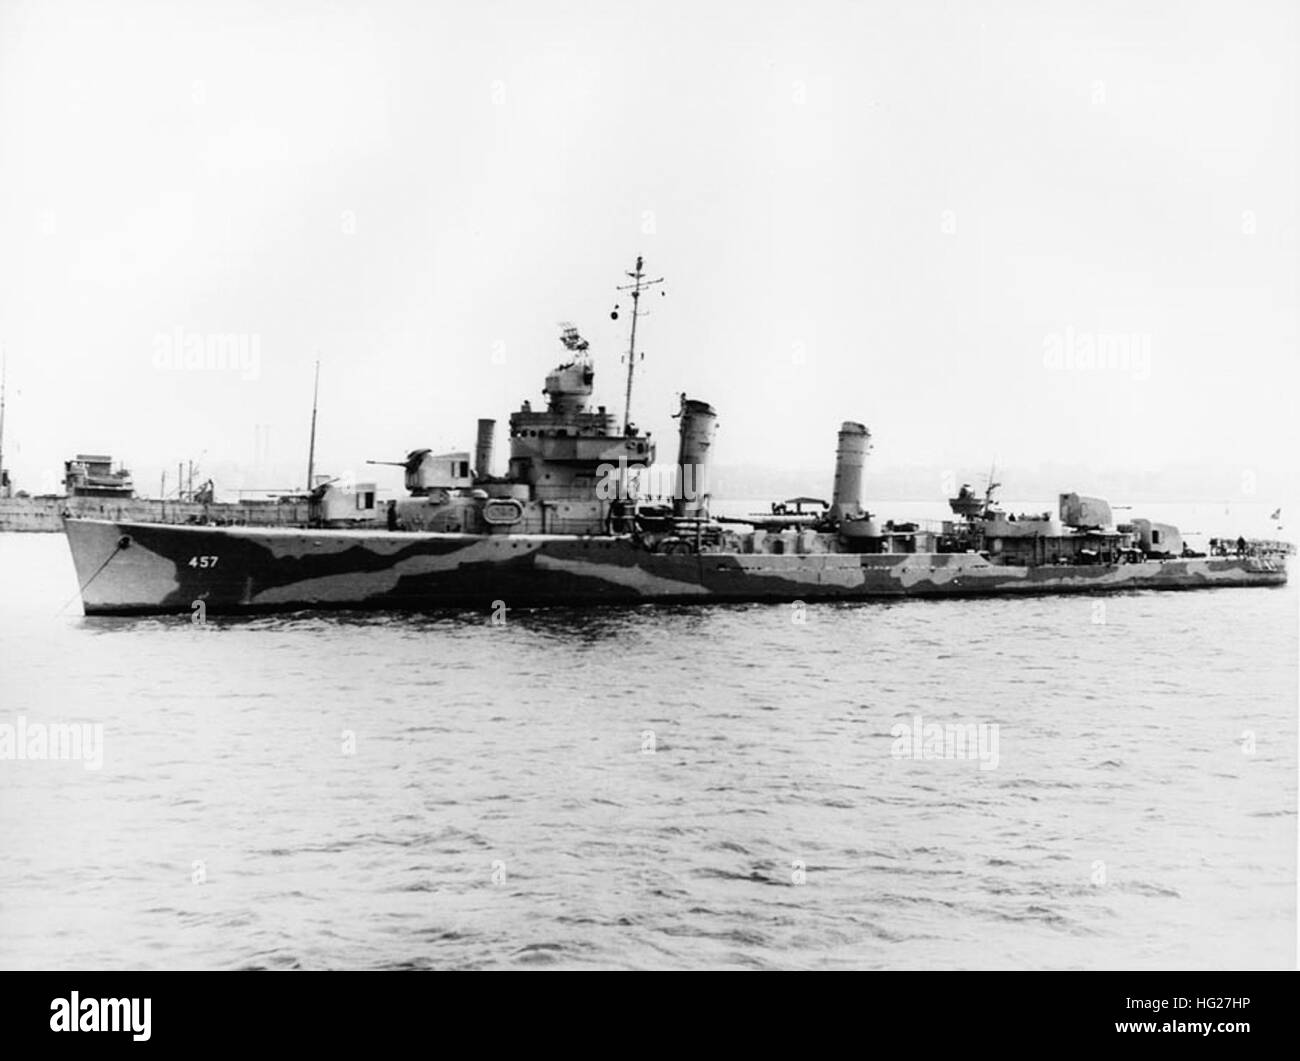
97	489
95	486
571	522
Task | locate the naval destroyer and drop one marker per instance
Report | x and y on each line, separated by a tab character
572	522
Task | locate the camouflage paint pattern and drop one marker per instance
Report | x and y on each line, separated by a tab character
126	568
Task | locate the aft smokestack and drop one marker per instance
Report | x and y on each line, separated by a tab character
483	448
850	456
699	421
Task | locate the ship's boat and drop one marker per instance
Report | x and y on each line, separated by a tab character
576	519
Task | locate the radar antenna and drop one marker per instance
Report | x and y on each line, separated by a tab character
571	339
638	285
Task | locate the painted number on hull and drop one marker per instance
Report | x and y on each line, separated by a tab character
203	561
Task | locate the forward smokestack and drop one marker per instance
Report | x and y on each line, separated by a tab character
699	421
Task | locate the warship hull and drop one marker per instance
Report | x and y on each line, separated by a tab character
141	568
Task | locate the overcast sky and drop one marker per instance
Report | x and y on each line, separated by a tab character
917	215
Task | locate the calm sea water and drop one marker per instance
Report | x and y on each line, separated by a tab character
653	787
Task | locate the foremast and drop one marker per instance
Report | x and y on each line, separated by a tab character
637	286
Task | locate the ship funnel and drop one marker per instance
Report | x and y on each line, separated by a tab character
699	421
483	448
855	441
